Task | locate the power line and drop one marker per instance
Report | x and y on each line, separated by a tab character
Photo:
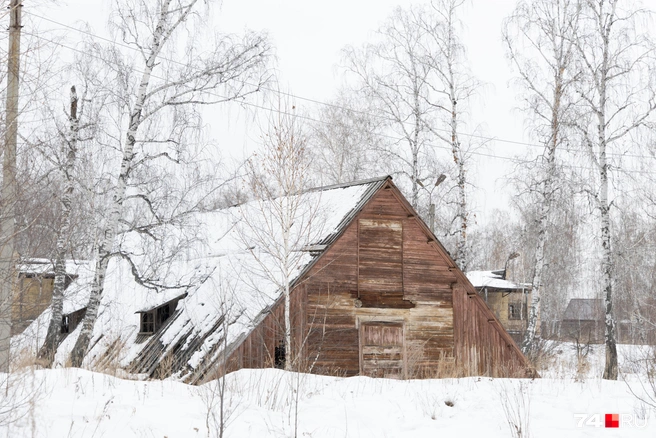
328	104
304	117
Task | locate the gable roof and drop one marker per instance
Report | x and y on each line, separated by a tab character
582	309
227	271
229	280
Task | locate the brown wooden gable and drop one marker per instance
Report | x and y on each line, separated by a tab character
481	344
384	271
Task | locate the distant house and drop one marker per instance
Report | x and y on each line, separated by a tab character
33	291
583	321
509	301
374	293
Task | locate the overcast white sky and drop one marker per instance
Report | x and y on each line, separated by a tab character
308	36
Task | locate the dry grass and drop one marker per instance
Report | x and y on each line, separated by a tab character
25	359
109	362
419	367
165	366
544	353
515	402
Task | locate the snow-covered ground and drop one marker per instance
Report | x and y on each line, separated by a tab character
261	403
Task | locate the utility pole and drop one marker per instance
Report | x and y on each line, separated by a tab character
8	192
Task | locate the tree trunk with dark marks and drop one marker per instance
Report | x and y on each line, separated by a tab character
49	348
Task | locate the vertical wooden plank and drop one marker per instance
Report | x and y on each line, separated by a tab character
357	278
360	346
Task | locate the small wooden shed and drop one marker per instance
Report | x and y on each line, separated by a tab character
583	321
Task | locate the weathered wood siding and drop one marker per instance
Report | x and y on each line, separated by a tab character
258	350
382	349
482	347
381	271
384	299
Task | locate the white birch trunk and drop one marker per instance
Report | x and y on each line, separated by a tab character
49	348
546	192
461	256
539	261
106	246
544	30
610	367
288	213
414	148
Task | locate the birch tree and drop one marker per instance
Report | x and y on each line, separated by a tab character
456	86
539	39
417	80
278	224
344	141
616	62
393	76
159	93
71	236
49	347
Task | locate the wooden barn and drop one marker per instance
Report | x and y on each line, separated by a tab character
383	298
373	293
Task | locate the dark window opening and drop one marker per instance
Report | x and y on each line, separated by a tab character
516	311
153	319
163	313
279	355
147	322
65	325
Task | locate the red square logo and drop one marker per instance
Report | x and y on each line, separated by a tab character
612	420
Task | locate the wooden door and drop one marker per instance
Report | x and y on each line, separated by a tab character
381	349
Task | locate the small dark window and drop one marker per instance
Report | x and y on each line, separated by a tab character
163	313
279	355
516	311
147	322
65	324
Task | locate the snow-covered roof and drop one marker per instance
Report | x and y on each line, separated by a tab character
230	269
40	266
161	299
492	279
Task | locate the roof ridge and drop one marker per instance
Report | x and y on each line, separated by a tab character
349	184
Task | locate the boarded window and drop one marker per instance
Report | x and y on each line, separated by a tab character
381	349
380	269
